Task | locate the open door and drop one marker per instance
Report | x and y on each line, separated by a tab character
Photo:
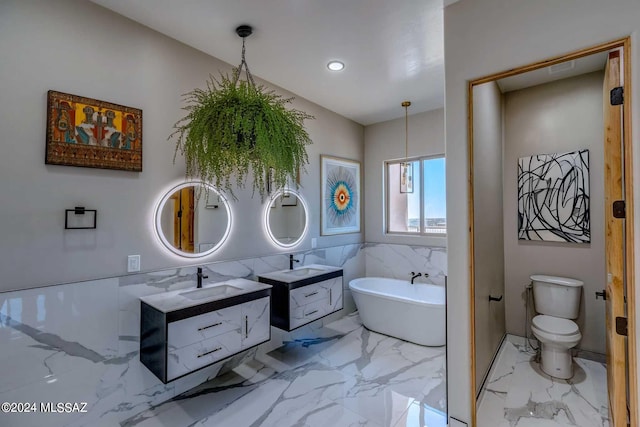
183	219
615	242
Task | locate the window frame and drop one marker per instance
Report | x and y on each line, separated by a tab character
387	207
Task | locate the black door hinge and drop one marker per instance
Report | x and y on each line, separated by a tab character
619	209
616	96
621	326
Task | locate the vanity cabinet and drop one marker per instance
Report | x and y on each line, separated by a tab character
177	342
299	302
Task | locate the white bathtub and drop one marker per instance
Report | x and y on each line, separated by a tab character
397	308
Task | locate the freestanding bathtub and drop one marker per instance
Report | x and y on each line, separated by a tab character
397	308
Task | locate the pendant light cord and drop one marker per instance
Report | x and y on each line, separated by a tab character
244	64
406	105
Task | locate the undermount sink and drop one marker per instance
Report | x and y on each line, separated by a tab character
304	271
213	291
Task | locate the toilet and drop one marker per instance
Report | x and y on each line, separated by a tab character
557	301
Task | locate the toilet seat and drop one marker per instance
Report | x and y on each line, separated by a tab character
555	325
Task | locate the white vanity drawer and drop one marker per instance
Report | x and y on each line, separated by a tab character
186	359
256	318
199	328
308	294
309	312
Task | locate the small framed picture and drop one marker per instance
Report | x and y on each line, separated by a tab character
406	177
288	199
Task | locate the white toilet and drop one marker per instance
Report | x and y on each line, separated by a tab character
557	300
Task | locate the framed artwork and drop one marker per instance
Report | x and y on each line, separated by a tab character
95	134
553	197
340	193
406	177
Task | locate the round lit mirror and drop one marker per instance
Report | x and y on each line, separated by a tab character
286	218
191	221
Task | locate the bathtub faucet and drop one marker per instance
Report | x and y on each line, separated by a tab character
414	275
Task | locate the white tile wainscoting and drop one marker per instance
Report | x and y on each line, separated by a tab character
79	342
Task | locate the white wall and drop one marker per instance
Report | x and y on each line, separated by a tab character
556	117
78	47
488	225
386	141
488	36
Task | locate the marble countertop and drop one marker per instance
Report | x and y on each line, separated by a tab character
290	276
175	300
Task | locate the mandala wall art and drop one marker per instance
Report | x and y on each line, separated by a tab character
553	197
340	192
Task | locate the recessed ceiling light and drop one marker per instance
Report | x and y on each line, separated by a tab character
335	66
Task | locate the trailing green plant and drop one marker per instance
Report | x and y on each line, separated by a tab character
234	128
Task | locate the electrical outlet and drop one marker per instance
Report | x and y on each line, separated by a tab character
314	243
133	263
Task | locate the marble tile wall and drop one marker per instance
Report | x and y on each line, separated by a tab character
398	261
79	342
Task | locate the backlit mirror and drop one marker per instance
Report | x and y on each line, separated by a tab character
286	218
193	219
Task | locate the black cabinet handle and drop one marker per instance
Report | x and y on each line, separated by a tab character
313	312
210	326
209	352
311	294
495	298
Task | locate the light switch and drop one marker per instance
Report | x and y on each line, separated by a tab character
133	263
314	243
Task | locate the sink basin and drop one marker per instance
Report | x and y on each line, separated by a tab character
213	291
304	271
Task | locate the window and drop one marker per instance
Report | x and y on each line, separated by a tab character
415	196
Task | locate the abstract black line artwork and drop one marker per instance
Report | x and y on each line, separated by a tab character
553	197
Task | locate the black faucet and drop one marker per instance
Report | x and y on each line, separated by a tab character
200	277
414	276
291	261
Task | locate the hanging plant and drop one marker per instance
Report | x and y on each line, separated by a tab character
234	127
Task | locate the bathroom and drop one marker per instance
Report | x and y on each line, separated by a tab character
71	323
74	328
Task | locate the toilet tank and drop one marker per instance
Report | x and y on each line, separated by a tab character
557	296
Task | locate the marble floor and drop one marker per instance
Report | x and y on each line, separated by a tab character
518	394
346	376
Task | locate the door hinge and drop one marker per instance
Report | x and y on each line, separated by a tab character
616	96
621	326
619	209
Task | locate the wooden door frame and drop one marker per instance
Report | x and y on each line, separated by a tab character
625	44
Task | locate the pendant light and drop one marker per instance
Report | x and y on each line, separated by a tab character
406	167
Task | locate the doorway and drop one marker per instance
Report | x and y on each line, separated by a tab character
505	241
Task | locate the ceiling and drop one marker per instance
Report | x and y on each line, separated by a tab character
393	50
564	70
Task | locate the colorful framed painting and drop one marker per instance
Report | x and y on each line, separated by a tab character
95	134
340	193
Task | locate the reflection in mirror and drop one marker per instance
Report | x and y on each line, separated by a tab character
286	218
191	221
